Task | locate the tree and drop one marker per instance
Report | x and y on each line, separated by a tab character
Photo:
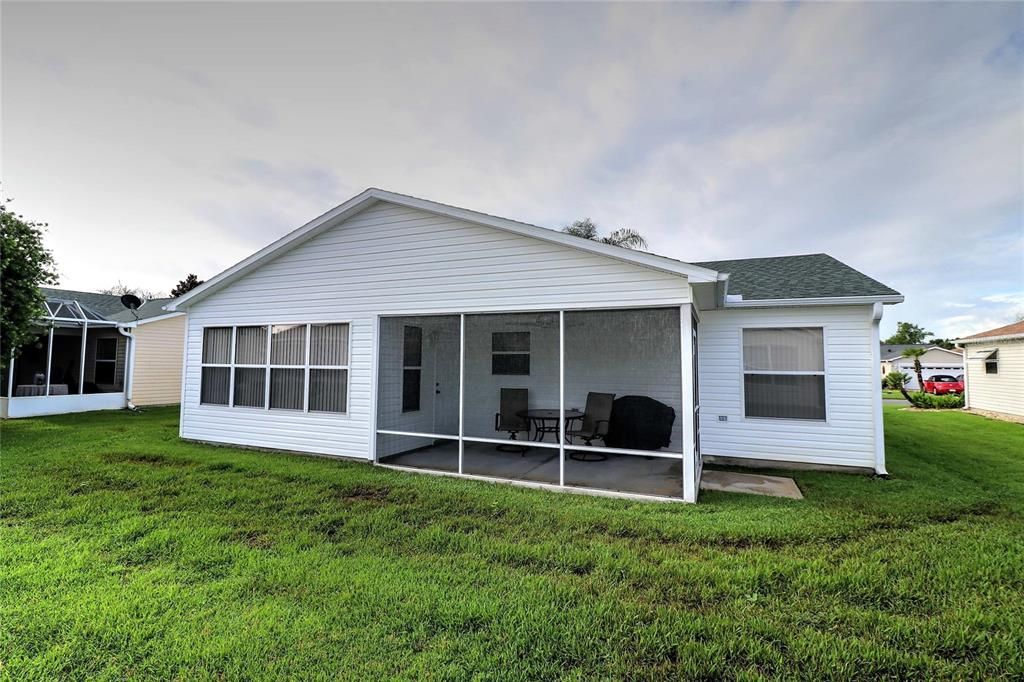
25	265
186	285
895	380
915	354
120	289
908	334
624	237
943	343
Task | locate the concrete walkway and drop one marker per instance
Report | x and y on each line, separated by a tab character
753	484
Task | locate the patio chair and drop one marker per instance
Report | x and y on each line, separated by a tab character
594	426
513	402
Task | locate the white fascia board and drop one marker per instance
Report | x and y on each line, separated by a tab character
990	339
165	316
371	196
796	302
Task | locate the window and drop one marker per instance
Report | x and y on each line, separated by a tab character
215	386
287	367
250	369
784	373
412	367
992	363
106	361
510	353
302	367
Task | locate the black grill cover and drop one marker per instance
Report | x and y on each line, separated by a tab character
640	423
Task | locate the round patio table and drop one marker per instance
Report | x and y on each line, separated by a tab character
545	421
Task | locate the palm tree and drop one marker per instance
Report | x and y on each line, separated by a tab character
624	237
915	354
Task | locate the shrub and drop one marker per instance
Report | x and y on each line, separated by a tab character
927	401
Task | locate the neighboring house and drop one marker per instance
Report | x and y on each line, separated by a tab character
92	353
994	380
936	360
386	329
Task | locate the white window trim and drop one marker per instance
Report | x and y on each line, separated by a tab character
823	373
232	365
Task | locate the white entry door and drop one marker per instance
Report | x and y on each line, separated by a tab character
445	381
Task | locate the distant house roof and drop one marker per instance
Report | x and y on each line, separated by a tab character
1010	331
108	306
817	275
895	350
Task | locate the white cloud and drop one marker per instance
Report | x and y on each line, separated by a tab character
1013	298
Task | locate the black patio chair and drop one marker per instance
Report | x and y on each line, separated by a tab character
508	418
594	425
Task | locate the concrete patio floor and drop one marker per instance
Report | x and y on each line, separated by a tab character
619	473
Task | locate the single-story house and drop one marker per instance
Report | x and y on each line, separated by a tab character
994	376
418	335
936	360
93	353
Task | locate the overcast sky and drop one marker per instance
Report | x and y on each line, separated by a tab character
162	139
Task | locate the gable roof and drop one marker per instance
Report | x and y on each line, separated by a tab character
811	276
109	306
1010	331
373	195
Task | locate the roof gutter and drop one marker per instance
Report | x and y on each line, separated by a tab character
795	302
989	339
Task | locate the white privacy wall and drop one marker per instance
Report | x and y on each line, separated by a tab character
390	260
846	438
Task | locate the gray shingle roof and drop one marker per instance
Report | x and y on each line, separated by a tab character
895	350
108	306
817	275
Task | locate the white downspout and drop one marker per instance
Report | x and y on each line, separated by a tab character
81	359
49	360
129	370
876	391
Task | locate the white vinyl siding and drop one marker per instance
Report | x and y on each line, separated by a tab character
156	379
1002	392
845	438
392	260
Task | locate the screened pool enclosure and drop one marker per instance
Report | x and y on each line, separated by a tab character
601	401
77	359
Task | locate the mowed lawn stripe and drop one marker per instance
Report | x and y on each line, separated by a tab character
128	553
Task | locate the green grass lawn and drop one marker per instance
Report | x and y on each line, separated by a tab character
892	395
128	554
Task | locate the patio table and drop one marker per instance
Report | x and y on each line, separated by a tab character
545	421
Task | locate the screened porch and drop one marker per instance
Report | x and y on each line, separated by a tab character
599	401
77	361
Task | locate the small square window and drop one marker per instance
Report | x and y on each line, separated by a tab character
510	353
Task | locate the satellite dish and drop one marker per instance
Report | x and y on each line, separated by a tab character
131	301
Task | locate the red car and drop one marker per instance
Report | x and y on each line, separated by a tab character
943	383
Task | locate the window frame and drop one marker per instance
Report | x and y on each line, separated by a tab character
743	372
231	365
529	337
96	360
